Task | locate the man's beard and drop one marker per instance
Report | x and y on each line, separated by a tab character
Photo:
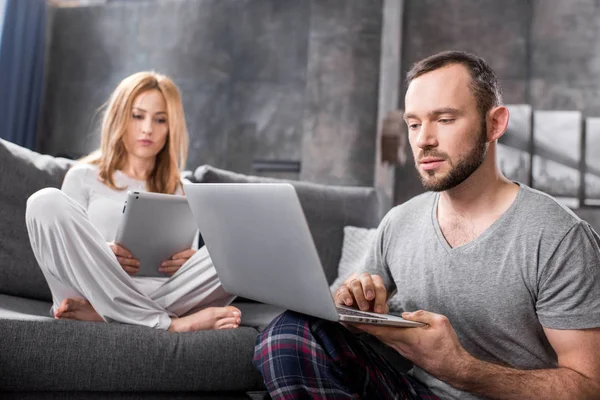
464	167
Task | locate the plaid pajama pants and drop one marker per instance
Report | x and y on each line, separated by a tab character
304	357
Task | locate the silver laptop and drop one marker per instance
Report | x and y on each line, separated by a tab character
262	249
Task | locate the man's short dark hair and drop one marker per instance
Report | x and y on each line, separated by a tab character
484	83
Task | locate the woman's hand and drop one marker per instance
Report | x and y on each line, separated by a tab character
130	265
173	264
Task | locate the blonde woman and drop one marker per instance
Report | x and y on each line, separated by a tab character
144	146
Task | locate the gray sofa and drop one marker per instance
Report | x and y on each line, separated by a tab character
45	358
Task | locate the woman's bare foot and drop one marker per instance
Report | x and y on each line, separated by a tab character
79	309
210	318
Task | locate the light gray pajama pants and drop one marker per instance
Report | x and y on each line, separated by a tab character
77	262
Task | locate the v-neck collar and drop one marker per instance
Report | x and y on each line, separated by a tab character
489	231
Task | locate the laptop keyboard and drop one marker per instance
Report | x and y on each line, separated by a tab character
357	313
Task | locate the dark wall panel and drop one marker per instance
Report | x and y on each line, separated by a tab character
498	31
340	120
565	58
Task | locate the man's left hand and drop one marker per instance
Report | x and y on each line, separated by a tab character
434	347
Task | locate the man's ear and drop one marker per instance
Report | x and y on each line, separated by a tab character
497	122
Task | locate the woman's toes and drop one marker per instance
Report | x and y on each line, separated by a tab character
67	315
226	312
228	326
228	321
234	311
62	307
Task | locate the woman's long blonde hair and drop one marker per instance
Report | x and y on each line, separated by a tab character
165	176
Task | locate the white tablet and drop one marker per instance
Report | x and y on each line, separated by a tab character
154	227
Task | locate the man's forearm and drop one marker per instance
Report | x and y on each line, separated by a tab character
498	382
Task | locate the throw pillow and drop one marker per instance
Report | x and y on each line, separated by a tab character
23	172
355	249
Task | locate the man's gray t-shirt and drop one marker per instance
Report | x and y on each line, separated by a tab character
537	266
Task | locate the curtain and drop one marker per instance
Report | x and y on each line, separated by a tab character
22	58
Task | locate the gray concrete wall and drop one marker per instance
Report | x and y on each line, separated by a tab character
340	119
93	48
565	57
546	52
496	30
260	79
305	80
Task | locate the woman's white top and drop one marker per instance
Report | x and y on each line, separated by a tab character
104	205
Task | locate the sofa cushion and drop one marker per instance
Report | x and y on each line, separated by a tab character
13	307
23	172
43	354
48	395
327	209
355	250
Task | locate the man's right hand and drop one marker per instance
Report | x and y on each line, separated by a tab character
366	292
125	258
